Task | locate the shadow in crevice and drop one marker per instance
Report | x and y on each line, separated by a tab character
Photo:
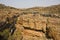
11	23
47	34
8	24
2	38
33	29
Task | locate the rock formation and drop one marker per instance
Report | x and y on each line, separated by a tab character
30	24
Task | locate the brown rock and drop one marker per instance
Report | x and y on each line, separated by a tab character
34	22
53	28
33	35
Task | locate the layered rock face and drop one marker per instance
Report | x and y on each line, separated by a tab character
53	28
34	26
39	27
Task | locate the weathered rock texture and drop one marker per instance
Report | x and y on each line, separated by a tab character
53	28
30	24
34	26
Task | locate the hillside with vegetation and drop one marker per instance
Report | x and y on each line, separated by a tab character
36	23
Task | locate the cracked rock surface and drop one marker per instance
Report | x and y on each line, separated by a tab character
30	24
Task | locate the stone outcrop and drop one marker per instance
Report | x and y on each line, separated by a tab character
35	27
30	24
53	28
35	24
33	21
